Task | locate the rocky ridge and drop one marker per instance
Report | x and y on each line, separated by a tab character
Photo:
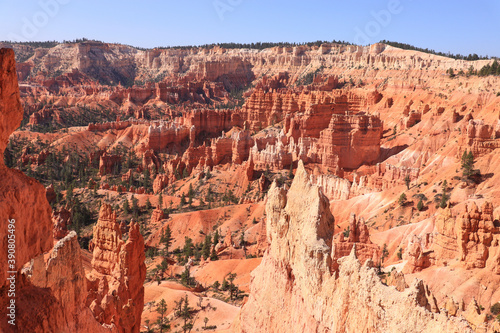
298	267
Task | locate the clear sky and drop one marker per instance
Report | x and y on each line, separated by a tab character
458	26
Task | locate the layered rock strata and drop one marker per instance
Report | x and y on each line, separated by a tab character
313	297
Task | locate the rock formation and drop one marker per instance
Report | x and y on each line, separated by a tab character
471	236
359	240
23	199
108	163
64	275
115	291
61	220
160	182
297	266
481	137
49	295
157	215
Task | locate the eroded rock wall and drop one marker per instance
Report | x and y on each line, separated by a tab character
312	296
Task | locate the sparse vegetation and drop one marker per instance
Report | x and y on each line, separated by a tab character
402	199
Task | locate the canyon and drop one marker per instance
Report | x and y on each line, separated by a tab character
334	181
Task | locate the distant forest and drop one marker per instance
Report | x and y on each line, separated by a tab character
449	55
255	46
258	45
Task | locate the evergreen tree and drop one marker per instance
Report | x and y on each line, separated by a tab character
163	266
213	254
148	204
233	289
183	200
160	200
385	252
451	72
225	285
69	194
242	238
407	181
166	239
402	199
216	237
188	247
206	247
186	277
420	205
186	315
444	196
185	173
467	164
162	322
135	206
126	208
147	179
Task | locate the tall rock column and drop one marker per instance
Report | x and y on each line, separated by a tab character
115	288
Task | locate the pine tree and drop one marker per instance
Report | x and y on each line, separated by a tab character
420	205
402	199
407	181
135	206
183	200
162	322
188	247
148	204
444	196
216	237
451	72
166	239
467	164
233	289
147	179
216	286
242	238
213	255
224	286
206	247
186	277
160	200
186	315
126	208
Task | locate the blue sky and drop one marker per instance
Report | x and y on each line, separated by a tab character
457	26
